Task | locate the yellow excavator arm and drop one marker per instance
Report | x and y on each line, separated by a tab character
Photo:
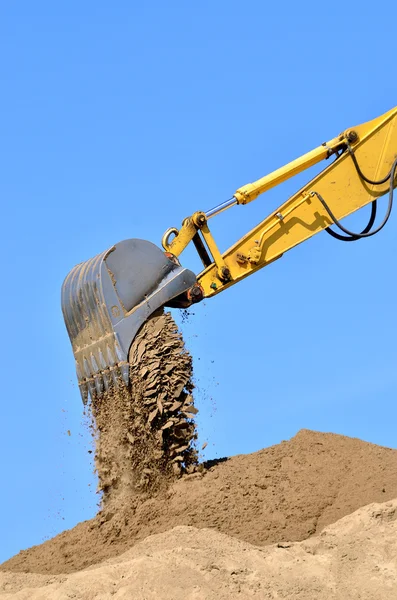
106	299
363	169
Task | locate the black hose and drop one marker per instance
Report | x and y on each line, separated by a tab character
359	171
365	234
353	238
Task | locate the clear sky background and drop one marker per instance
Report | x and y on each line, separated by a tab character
120	119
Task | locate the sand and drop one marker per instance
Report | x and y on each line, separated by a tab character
288	492
353	559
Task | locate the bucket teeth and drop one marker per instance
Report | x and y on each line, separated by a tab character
114	372
106	379
102	360
94	364
111	359
98	384
87	368
125	372
83	387
91	388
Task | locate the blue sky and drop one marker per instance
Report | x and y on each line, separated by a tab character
120	119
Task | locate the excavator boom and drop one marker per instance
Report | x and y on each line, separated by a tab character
361	155
105	300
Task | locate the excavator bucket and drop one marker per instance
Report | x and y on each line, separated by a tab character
106	299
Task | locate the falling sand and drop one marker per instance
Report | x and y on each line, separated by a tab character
145	434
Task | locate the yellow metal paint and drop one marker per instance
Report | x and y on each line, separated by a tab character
213	248
182	238
250	191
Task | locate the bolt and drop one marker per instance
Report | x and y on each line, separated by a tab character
352	136
172	258
225	274
199	219
195	294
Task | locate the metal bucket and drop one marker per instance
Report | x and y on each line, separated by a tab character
106	299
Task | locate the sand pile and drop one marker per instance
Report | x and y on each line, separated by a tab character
288	492
354	558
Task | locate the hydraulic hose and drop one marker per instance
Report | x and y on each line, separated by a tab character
351	236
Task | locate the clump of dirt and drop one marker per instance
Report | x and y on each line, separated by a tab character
288	492
145	434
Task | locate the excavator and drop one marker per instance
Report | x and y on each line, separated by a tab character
106	300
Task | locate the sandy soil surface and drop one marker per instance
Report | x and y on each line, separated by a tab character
284	493
355	559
